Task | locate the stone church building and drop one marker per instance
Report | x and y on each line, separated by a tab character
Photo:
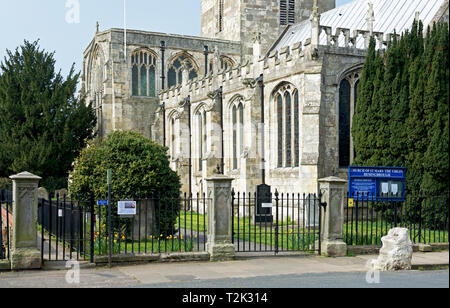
267	92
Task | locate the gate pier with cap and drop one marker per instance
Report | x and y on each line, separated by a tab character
332	233
24	252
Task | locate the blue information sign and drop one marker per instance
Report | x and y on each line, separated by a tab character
102	202
377	183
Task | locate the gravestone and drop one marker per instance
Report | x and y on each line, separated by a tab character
312	211
263	213
43	193
60	193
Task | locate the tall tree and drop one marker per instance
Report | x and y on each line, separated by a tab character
403	107
362	121
436	158
43	125
378	114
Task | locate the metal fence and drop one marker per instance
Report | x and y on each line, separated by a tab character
65	228
73	227
5	223
368	218
292	222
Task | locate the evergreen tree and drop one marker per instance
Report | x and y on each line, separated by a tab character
402	116
416	131
43	125
436	158
378	113
362	122
409	49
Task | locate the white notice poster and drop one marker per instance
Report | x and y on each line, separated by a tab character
126	208
385	188
394	189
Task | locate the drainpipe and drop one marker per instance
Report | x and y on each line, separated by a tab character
205	52
260	80
163	106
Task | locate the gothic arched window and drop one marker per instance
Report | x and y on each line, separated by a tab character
143	73
172	138
288	127
226	63
348	89
287	12
97	72
237	115
201	137
175	72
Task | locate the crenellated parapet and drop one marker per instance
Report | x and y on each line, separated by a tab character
233	78
356	39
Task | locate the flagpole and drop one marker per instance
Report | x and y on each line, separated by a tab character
125	29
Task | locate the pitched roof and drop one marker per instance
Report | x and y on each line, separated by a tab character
390	15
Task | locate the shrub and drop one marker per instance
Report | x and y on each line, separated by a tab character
139	166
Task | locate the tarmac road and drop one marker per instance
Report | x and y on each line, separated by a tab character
411	279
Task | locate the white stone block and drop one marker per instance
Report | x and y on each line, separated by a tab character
396	253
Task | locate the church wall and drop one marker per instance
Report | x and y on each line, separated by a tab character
338	62
122	111
293	67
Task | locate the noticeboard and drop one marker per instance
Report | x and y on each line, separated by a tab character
126	208
377	183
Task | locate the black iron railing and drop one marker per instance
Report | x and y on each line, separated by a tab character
5	223
73	227
367	218
293	223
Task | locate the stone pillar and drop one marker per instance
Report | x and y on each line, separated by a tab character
219	246
333	193
24	252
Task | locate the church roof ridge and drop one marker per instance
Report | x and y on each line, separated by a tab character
389	16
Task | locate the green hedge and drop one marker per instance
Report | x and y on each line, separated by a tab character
139	166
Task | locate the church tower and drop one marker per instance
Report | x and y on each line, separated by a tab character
240	20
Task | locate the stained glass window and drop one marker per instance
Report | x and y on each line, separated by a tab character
241	128
344	123
175	71
226	63
152	81
172	77
280	130
296	131
143	77
172	131
200	142
288	129
143	91
234	115
135	80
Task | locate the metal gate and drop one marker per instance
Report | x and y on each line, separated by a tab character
66	228
284	222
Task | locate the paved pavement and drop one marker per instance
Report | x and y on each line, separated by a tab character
253	272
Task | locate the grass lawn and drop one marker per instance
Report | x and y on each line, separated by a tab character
363	233
174	244
290	237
